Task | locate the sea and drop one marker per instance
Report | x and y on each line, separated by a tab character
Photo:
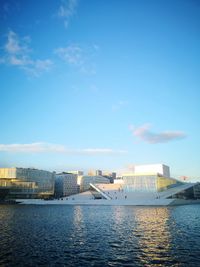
62	235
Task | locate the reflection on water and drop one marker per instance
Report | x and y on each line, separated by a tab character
99	236
154	235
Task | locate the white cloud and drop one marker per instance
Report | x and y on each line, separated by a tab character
12	46
41	147
66	10
32	148
145	134
17	53
72	54
77	56
43	65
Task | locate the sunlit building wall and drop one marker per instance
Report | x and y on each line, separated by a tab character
27	182
162	169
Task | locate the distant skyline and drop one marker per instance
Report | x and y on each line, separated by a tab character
100	84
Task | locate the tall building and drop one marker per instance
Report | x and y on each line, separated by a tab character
66	184
27	182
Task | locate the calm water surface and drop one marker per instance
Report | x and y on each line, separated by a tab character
99	236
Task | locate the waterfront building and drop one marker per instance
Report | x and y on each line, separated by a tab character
84	181
146	185
135	188
27	182
66	184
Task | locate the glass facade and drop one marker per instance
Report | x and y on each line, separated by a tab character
27	183
138	183
148	183
166	183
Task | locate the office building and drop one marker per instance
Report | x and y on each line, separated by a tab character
66	184
27	182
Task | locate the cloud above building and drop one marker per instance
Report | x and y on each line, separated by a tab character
145	134
41	147
78	56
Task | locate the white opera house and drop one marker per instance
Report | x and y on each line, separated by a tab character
145	185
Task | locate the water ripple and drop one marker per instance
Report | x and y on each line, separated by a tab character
99	236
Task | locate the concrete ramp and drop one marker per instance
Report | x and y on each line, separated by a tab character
104	195
175	190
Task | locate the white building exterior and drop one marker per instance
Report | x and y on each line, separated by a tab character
152	169
148	185
118	181
66	184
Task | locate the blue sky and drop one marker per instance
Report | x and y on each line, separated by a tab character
100	84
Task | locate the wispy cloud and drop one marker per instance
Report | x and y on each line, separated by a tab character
32	148
17	53
41	147
72	54
145	134
66	10
119	105
77	56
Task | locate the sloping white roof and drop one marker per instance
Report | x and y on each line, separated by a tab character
172	191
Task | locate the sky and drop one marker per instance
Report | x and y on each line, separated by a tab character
90	84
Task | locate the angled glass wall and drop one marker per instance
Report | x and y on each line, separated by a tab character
148	183
163	183
140	183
